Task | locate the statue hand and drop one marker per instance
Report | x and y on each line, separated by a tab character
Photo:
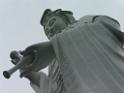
30	68
15	56
15	59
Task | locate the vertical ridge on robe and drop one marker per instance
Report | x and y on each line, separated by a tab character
57	85
90	59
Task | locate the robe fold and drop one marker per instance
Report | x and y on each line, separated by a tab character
91	56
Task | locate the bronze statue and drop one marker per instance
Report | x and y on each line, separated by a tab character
84	56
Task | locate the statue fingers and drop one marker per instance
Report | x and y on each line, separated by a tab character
26	70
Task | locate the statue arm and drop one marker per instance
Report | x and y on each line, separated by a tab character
35	77
46	52
39	81
41	47
43	54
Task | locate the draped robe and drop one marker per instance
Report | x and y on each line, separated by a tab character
90	57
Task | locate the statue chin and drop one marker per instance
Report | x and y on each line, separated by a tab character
51	35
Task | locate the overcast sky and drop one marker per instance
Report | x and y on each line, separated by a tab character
20	27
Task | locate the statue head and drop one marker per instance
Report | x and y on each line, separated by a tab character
55	21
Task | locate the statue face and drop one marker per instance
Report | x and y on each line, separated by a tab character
54	25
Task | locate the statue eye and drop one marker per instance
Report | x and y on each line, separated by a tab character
51	22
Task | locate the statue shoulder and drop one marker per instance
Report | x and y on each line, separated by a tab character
87	18
92	18
100	18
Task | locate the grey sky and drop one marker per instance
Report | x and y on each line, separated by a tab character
19	28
